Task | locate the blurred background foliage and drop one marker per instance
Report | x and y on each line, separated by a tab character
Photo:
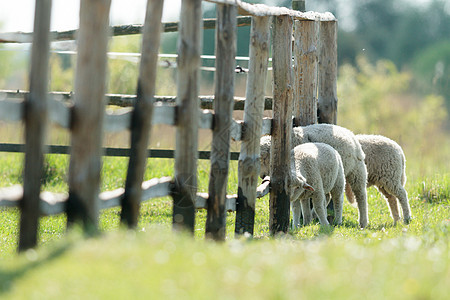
394	70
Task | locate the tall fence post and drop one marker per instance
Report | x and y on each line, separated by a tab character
223	111
249	157
141	120
305	66
281	124
87	115
327	110
189	50
35	126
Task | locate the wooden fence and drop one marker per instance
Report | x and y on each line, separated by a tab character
296	91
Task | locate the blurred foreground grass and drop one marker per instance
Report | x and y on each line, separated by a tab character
382	261
157	264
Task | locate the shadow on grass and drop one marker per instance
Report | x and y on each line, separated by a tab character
9	277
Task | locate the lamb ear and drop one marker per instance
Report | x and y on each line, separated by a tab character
308	187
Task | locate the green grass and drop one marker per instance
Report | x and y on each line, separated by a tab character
382	261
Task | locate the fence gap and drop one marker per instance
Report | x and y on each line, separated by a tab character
35	126
188	62
249	158
299	5
281	124
87	115
141	119
223	112
305	66
327	110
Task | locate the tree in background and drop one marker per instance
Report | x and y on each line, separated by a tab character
377	99
432	70
398	30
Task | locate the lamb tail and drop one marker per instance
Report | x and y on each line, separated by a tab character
350	195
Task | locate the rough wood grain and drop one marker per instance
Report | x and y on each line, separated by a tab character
55	203
87	116
223	108
260	10
189	50
119	30
327	109
35	126
305	66
249	158
206	101
281	124
141	120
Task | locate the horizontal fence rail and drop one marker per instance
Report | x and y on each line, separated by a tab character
120	30
123	100
108	151
120	120
261	10
55	203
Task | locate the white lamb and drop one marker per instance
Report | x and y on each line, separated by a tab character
316	170
385	164
348	147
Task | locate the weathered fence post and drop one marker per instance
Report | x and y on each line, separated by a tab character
281	124
327	112
249	157
87	115
223	110
305	66
141	120
189	50
35	126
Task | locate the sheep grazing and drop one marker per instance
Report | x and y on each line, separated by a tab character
385	164
348	147
316	170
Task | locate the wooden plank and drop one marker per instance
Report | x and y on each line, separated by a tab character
141	120
60	113
249	159
164	114
55	203
206	102
230	202
119	30
35	126
118	120
11	110
189	50
261	10
280	153
305	67
156	187
327	110
11	196
223	108
52	203
87	116
118	152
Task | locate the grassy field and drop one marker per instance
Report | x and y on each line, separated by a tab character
382	261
